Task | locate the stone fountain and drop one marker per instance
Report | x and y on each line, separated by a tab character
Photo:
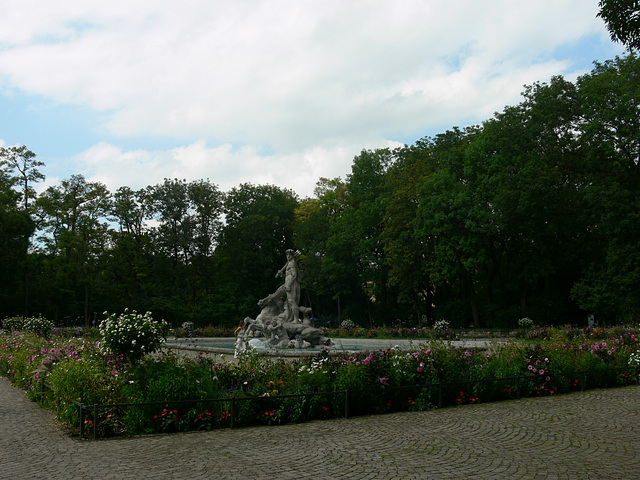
282	322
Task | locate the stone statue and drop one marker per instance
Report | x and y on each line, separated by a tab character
279	320
291	276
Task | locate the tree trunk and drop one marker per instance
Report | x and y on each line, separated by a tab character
26	291
474	304
474	311
86	305
523	301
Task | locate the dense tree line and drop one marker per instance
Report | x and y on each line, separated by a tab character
536	213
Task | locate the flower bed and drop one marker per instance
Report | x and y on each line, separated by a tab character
259	390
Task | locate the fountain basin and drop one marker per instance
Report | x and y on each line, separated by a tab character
226	345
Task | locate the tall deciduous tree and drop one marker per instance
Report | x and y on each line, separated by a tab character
253	241
622	18
23	163
128	267
406	255
75	236
610	135
16	227
453	222
328	261
23	166
362	225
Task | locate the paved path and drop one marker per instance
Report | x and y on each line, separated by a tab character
590	435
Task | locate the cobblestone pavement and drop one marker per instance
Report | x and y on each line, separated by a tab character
590	435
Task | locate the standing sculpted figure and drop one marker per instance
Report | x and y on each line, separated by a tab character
291	276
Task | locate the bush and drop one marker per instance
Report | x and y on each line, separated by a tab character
188	327
525	322
132	335
86	380
347	324
38	325
441	325
13	323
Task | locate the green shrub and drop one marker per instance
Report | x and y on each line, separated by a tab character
347	324
88	381
13	323
132	335
39	325
525	322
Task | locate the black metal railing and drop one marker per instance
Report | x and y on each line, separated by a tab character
92	411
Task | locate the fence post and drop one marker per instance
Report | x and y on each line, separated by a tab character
233	409
82	420
95	421
346	403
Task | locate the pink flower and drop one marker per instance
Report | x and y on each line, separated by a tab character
383	380
541	372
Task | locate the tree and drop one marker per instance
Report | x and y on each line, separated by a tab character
451	223
75	235
327	260
251	247
16	227
127	274
361	226
455	230
406	256
523	166
207	206
610	137
501	216
174	234
189	222
622	18
22	161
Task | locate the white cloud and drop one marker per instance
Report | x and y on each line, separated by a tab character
312	82
221	165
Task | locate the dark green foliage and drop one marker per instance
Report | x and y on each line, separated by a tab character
623	21
533	213
257	232
16	227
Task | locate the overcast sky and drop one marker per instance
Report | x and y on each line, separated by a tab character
278	92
